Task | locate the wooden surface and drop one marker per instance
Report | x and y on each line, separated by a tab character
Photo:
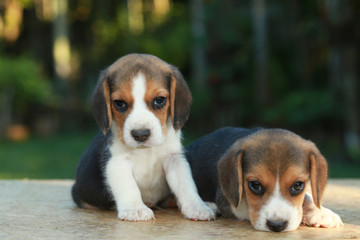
44	210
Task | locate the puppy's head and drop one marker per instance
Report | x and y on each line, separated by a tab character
271	168
141	98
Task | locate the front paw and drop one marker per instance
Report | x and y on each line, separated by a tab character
136	214
198	211
323	217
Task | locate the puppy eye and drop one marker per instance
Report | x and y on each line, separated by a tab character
121	105
297	188
256	188
158	103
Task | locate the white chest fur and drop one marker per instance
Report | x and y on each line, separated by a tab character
145	167
149	175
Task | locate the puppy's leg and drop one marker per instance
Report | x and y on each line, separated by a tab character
179	178
315	217
126	193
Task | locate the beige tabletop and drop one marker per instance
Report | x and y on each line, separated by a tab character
31	209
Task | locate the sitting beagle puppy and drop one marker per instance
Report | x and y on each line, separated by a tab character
140	104
261	175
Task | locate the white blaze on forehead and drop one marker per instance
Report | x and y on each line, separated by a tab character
141	117
278	209
138	92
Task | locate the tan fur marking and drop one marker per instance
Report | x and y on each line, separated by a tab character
318	175
267	179
156	89
172	98
289	177
240	175
108	101
122	92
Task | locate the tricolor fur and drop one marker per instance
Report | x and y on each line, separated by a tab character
140	104
261	175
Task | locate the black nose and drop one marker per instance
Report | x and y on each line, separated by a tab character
140	135
276	226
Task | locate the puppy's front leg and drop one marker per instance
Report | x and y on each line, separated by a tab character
179	178
126	192
315	217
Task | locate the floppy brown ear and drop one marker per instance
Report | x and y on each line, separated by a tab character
100	103
180	99
231	176
318	175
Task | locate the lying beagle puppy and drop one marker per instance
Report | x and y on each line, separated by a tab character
260	174
140	104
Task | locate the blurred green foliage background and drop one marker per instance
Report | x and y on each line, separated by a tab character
288	64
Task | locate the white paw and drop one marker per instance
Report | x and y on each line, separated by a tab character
213	207
199	211
136	214
322	218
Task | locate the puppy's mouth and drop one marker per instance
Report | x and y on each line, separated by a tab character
143	145
149	144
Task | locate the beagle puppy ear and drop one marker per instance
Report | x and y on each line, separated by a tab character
100	103
230	175
318	175
180	99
